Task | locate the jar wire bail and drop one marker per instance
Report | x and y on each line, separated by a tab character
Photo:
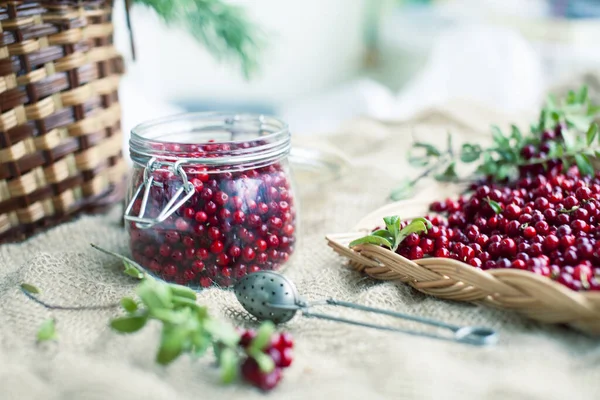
174	203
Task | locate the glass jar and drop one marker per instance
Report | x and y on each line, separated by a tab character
211	197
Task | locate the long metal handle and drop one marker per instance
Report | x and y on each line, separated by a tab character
464	334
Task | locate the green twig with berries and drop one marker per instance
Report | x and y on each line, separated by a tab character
187	328
564	135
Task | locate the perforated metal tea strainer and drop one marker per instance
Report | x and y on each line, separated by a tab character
268	295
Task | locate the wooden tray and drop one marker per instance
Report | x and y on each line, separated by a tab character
533	295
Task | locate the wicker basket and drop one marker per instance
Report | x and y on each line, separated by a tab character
525	292
60	137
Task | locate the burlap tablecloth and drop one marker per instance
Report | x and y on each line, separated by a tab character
333	361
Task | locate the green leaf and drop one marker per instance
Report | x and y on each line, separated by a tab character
392	224
449	174
182	291
200	342
489	165
30	288
509	155
551	102
568	139
582	95
263	337
371	239
419	162
494	205
47	330
591	134
593	110
265	363
384	234
417	225
129	324
449	145
470	153
553	151
515	133
129	304
173	341
185	302
579	122
427	223
571	97
403	190
584	164
222	332
228	362
155	294
168	316
430	150
556	116
499	138
504	171
132	271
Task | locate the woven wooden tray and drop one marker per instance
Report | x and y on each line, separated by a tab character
535	296
60	136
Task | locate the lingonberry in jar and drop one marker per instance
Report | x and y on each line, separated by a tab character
220	200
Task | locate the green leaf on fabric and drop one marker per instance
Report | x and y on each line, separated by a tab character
228	363
154	294
173	341
182	291
30	288
129	324
132	270
129	304
47	330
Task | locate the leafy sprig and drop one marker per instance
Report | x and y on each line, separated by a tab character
223	28
579	142
393	234
187	327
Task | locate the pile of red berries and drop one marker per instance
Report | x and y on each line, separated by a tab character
547	224
280	349
236	222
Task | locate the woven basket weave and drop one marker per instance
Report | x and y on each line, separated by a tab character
60	137
525	292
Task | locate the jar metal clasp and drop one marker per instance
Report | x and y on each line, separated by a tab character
181	196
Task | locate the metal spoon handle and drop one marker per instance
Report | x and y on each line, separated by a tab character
475	340
464	334
394	314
